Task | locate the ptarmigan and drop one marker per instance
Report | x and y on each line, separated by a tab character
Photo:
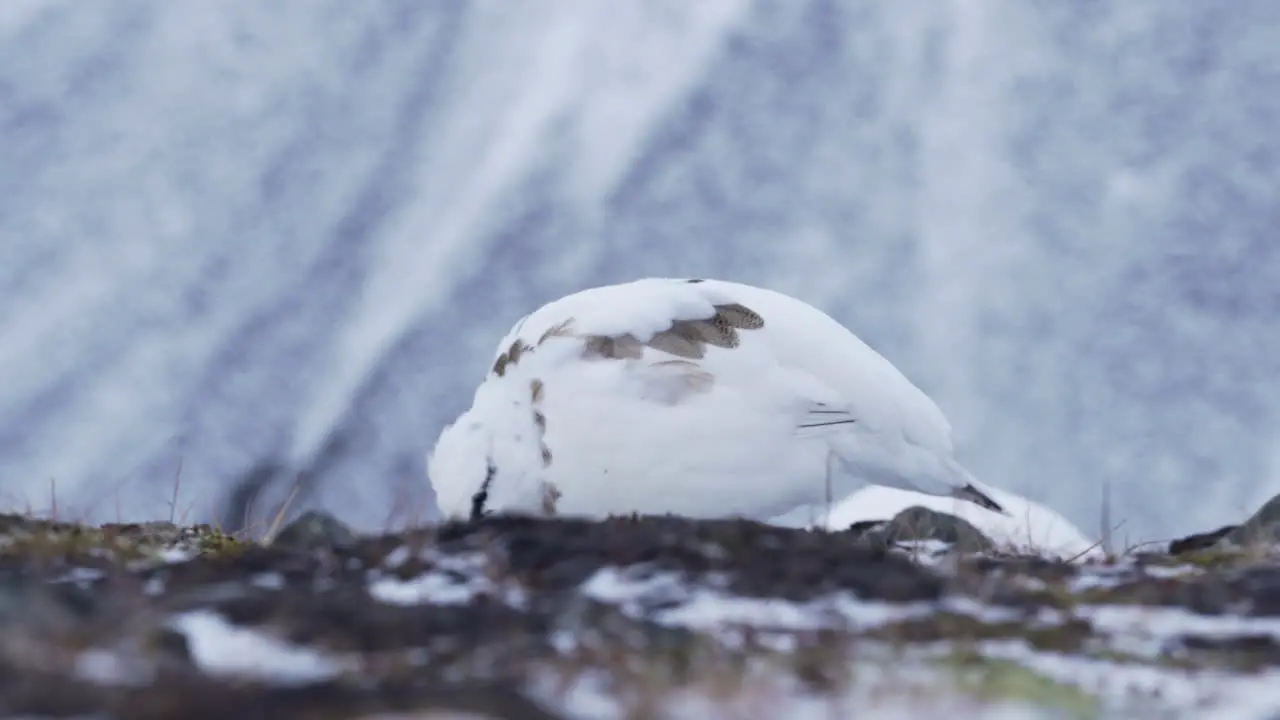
700	398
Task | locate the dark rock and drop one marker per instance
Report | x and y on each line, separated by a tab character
862	527
1203	541
315	530
1263	527
918	523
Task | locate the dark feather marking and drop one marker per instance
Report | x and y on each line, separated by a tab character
482	496
699	333
718	332
688	338
612	348
739	316
979	498
510	357
681	339
518	348
828	424
685	338
681	363
540	419
560	329
550	495
695	379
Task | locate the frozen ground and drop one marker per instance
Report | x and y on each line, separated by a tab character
651	617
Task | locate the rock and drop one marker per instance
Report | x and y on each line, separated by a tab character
1263	527
918	523
315	530
861	527
155	531
1203	541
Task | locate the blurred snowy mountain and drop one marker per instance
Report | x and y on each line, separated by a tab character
259	241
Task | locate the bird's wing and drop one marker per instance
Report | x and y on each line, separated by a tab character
814	343
670	340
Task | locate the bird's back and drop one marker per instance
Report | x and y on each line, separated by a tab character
806	338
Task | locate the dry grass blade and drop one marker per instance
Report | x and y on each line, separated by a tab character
280	515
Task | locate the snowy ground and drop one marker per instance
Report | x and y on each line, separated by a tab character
652	618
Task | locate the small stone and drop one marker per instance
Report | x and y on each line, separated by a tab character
315	530
918	523
1202	541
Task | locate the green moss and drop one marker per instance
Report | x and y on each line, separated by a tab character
994	679
1067	637
1222	557
47	541
216	542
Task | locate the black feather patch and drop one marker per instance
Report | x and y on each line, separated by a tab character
979	498
482	496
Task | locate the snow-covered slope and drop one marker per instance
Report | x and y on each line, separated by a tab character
258	239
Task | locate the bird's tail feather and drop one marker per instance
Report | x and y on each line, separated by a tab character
975	491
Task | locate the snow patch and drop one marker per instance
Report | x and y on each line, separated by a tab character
667	599
1029	528
220	648
452	580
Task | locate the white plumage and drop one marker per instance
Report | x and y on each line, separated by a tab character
701	398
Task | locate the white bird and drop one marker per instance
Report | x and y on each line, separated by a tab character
700	398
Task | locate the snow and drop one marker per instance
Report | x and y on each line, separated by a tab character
434	588
268	580
1179	693
176	555
452	580
704	609
1030	527
1165	625
220	648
